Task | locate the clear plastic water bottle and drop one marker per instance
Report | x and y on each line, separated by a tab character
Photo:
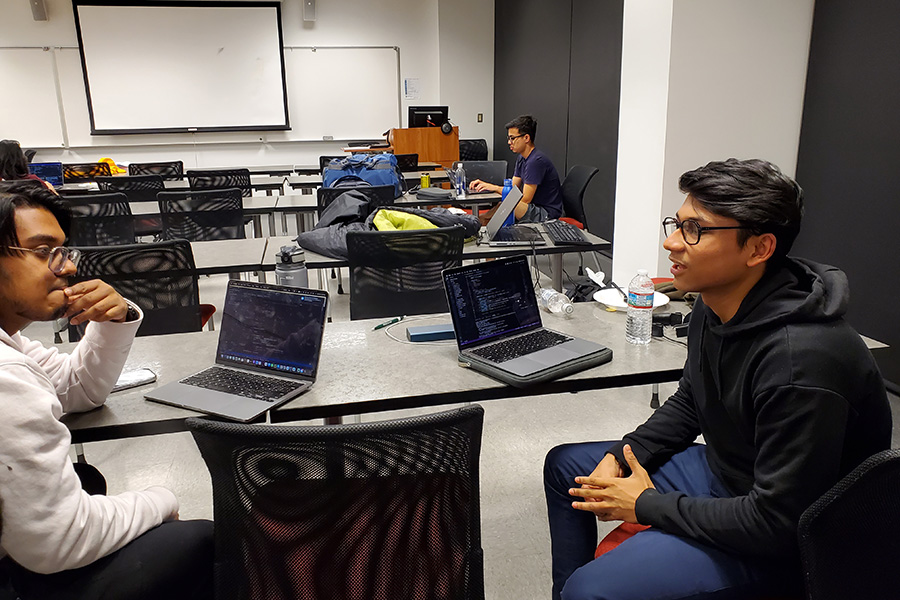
507	188
460	181
290	267
640	309
556	302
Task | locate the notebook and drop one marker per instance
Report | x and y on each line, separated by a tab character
269	343
511	235
52	173
498	326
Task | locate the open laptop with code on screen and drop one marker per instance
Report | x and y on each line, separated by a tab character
268	353
498	326
51	172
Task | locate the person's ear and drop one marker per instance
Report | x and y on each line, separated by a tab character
762	248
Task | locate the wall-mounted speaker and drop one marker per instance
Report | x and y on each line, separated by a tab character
38	10
309	10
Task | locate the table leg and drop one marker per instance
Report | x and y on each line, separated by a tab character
556	265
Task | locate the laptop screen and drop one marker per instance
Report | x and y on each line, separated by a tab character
491	299
272	328
52	173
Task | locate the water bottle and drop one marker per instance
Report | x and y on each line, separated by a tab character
507	188
640	309
290	267
460	181
556	302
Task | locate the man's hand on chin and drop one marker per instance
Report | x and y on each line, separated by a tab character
94	300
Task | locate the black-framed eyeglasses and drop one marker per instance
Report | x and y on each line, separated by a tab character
510	138
691	230
56	257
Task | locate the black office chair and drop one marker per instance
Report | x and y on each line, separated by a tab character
100	220
202	215
138	188
381	511
159	277
170	171
490	171
573	188
82	172
324	160
473	150
221	179
407	163
378	196
395	273
850	537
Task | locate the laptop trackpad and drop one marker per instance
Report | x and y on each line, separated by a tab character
544	359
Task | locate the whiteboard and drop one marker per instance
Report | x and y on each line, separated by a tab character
159	67
343	92
30	110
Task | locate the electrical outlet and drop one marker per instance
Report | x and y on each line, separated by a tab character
480	117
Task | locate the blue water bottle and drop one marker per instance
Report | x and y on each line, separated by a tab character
507	187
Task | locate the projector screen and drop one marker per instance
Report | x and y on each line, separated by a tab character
154	67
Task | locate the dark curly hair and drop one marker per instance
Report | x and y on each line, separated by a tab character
24	194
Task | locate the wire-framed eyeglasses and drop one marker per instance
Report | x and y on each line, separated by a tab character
691	230
510	138
56	257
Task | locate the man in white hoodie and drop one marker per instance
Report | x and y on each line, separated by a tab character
57	541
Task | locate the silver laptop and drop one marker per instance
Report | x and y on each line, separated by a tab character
496	234
498	326
268	353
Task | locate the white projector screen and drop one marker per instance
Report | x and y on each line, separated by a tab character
153	67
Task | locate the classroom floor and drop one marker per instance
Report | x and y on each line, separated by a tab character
517	435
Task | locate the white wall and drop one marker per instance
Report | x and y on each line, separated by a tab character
736	72
413	25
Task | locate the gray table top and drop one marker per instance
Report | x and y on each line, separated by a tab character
229	256
307	202
362	370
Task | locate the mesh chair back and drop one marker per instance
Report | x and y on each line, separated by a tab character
407	162
140	188
80	172
850	537
491	171
201	216
395	273
100	220
220	179
380	511
170	171
160	278
573	187
324	160
473	150
378	196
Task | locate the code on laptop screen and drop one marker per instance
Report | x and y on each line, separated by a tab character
272	330
491	299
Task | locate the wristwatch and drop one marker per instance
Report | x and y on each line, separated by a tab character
131	315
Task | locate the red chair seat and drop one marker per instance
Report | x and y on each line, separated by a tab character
572	221
206	311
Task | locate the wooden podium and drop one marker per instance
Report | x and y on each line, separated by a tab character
430	143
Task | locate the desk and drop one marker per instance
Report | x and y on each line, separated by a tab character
471	251
254	207
229	256
355	374
315	170
312	181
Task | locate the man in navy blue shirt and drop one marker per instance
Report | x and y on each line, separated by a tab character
535	175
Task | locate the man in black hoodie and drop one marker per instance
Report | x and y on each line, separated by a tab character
786	395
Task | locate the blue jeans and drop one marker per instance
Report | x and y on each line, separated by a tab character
652	564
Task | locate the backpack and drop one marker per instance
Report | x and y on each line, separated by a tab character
378	169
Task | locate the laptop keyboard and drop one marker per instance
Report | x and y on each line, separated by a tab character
240	383
521	345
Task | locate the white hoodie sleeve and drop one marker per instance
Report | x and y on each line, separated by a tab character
84	378
49	523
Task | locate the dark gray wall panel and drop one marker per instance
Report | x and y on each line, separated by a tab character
531	73
849	156
596	73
